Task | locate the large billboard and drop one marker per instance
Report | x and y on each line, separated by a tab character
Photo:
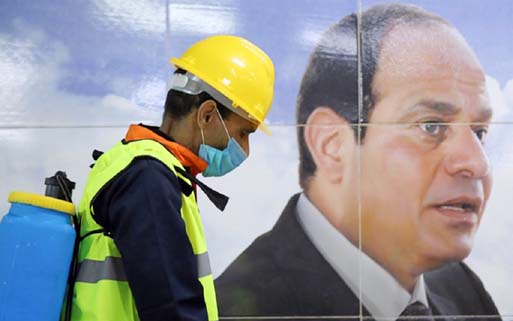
389	171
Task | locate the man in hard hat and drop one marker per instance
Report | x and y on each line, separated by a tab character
395	180
143	254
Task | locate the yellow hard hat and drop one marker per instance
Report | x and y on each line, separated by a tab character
235	68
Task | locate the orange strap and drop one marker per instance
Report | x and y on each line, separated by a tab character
186	157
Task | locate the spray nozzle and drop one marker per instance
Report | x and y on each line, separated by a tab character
59	186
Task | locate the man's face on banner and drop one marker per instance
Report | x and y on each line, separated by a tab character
425	179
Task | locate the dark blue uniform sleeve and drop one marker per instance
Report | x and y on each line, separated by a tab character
141	208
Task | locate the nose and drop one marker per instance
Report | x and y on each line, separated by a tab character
466	156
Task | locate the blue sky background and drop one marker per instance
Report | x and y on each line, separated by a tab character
111	39
93	66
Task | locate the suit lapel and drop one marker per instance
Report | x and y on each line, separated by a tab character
315	280
441	305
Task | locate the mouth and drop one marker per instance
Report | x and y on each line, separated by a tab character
461	209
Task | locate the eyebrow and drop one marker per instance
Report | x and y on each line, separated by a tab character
446	109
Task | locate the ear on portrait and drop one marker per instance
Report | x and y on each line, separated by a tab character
328	137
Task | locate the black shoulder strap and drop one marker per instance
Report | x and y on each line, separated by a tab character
101	230
219	200
96	155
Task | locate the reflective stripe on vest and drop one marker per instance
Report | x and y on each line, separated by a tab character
92	271
203	265
101	290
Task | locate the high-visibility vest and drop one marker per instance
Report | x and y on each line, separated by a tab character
101	291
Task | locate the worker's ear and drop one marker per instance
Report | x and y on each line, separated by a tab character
206	113
327	136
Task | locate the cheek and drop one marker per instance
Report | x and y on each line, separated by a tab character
397	169
244	143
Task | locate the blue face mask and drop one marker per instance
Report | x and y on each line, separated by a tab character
221	162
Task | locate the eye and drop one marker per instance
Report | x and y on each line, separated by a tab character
433	128
481	134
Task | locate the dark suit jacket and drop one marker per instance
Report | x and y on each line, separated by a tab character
283	274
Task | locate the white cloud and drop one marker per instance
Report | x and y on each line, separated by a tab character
313	29
112	101
498	99
310	35
150	92
508	93
203	18
34	65
149	16
24	66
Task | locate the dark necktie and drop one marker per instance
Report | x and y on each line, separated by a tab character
417	311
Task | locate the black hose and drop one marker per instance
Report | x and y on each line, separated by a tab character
60	177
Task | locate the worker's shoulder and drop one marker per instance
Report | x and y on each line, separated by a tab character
141	173
148	167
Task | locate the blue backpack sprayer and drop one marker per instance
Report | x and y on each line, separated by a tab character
37	244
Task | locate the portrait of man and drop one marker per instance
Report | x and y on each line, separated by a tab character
393	114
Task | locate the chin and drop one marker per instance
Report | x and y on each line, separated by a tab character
459	254
439	256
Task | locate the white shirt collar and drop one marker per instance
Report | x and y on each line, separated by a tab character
381	294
